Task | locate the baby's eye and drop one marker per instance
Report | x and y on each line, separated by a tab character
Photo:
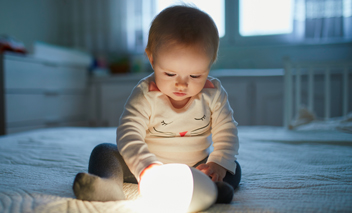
170	74
200	119
195	76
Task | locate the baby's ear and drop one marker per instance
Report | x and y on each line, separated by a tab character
150	57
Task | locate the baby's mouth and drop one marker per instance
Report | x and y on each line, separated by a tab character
180	94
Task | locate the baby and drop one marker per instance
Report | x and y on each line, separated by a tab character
170	114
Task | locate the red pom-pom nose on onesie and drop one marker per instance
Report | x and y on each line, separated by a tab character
183	133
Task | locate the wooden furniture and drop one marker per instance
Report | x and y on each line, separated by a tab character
39	94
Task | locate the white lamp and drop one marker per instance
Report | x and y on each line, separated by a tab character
177	188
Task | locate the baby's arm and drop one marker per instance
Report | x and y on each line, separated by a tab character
224	132
132	131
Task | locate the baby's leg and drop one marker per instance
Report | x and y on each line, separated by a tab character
234	180
228	185
104	180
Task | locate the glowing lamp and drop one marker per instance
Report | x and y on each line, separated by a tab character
177	188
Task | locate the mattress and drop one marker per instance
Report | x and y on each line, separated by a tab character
282	171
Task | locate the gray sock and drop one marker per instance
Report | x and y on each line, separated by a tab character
93	188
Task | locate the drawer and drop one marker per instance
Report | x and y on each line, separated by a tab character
42	109
22	107
25	74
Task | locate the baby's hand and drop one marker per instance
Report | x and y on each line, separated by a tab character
214	170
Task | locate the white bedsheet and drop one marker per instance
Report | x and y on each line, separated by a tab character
282	171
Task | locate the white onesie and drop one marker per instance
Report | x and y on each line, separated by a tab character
151	130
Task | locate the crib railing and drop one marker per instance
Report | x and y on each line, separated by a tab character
296	71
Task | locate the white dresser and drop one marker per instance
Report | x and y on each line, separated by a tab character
40	94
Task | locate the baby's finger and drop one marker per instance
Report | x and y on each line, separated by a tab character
202	166
215	177
208	171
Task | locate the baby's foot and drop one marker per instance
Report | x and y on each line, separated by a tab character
93	188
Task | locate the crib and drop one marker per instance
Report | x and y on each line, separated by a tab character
302	81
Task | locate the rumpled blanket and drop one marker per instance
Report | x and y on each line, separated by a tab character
282	171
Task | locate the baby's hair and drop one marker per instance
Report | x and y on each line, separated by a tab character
184	25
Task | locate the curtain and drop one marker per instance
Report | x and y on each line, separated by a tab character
104	27
324	19
121	26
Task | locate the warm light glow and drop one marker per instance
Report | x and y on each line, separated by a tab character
167	188
176	188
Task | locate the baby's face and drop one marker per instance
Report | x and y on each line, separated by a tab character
180	72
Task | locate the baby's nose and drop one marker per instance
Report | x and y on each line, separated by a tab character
181	84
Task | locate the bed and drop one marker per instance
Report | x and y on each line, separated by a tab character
283	171
304	166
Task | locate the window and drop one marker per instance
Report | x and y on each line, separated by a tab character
257	22
253	22
265	17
